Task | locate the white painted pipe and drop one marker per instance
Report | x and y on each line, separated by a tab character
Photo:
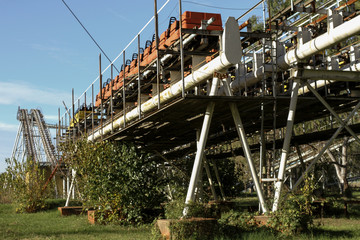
302	52
250	78
322	83
229	56
332	36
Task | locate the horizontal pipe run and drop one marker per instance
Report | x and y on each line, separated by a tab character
330	75
268	179
333	36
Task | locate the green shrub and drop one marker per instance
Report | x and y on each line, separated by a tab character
27	180
116	179
188	229
175	208
5	188
295	214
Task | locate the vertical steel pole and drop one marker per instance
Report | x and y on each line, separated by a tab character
62	127
59	129
211	182
64	187
92	111
111	99
66	125
262	108
219	180
139	79
101	98
242	135
124	85
286	144
201	145
157	52
85	114
181	50
79	114
67	183
73	114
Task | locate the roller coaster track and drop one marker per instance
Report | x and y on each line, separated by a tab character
23	117
28	122
45	136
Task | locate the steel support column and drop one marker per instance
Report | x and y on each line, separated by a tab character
211	182
242	136
201	145
219	180
286	144
71	190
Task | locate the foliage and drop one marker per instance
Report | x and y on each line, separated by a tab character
295	214
5	190
115	178
193	229
174	210
277	5
27	180
234	221
189	227
257	23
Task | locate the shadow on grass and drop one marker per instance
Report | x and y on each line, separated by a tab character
318	233
89	232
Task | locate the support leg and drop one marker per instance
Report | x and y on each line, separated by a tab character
208	173
201	146
241	132
219	181
286	145
69	193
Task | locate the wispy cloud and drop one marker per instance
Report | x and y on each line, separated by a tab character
8	127
20	92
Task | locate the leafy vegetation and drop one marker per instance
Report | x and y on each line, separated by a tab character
26	181
119	181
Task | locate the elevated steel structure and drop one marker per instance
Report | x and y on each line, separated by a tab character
294	71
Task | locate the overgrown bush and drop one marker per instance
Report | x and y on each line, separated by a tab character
233	221
117	179
26	180
174	210
295	213
5	190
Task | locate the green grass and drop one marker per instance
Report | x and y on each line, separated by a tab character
50	225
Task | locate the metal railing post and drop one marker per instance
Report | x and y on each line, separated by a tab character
181	50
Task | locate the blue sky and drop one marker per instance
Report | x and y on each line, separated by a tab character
44	52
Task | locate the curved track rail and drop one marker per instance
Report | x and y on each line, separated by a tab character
28	122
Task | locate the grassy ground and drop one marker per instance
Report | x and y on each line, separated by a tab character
50	225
